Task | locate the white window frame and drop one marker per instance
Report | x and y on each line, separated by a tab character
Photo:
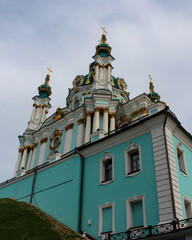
180	149
101	207
131	149
107	156
188	201
129	212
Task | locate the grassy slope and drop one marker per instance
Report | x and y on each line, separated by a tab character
22	221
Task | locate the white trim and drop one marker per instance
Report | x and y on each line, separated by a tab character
107	156
101	207
129	210
131	149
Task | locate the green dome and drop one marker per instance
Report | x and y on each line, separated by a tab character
45	89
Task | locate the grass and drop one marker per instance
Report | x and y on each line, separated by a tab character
23	221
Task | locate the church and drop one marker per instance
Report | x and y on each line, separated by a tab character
106	165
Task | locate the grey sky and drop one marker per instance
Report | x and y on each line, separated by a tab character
146	37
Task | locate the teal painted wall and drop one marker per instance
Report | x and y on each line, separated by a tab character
185	182
121	188
56	191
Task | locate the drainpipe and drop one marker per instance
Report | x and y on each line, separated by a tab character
32	191
168	164
81	187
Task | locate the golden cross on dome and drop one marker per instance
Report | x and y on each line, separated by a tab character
49	69
104	31
150	77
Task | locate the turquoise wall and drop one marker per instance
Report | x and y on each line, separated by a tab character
185	182
121	188
56	191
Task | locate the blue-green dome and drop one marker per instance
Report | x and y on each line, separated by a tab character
45	89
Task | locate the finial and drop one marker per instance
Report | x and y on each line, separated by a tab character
49	69
104	31
150	77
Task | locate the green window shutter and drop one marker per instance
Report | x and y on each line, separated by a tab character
137	212
107	219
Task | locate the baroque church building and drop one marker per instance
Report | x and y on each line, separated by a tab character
106	165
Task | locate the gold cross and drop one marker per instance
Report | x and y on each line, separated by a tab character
104	31
150	77
49	69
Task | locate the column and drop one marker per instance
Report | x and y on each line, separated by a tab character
88	127
68	137
37	113
43	113
33	113
17	167
105	119
24	157
33	155
42	150
29	158
109	73
96	120
112	122
80	134
97	73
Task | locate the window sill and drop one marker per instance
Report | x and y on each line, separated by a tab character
106	182
183	173
132	174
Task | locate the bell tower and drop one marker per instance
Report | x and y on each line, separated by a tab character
103	64
41	105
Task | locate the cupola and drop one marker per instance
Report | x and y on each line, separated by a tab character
45	89
103	49
152	95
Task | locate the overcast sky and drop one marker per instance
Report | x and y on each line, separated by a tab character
147	37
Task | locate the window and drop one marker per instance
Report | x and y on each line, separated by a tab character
106	168
188	207
135	212
132	159
106	219
181	159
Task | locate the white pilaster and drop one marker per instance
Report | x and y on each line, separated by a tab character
42	151
37	113
105	120
88	128
17	167
43	114
68	137
96	120
80	134
97	73
29	159
109	74
33	113
24	157
112	122
33	155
